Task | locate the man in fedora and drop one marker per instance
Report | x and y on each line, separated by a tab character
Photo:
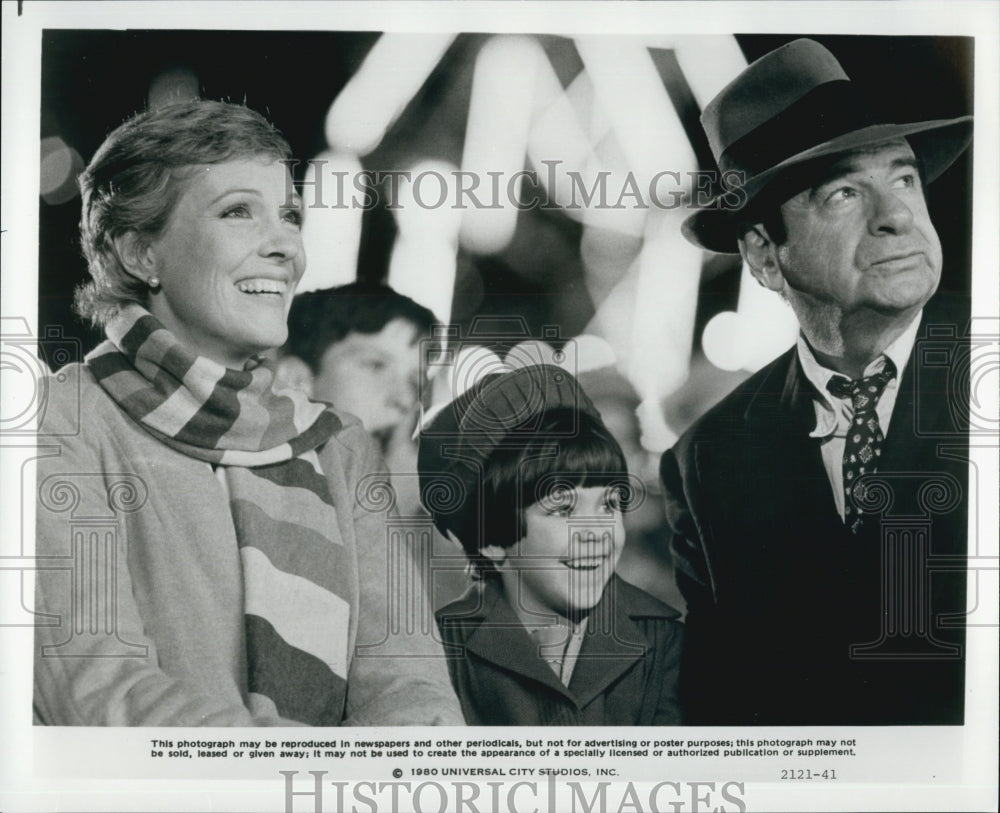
819	511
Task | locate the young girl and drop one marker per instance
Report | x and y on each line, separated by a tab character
523	474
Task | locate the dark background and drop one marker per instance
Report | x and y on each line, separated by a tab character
92	80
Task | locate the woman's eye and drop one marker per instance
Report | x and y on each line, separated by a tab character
239	210
293	216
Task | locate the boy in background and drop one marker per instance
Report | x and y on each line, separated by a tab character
357	346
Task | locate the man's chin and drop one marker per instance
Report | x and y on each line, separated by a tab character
901	298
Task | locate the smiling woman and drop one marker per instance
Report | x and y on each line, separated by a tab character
238	577
227	261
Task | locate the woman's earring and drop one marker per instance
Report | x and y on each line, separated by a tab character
153	282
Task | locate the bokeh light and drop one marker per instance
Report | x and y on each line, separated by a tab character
392	72
331	232
60	165
500	115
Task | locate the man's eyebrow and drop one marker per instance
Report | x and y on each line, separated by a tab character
907	161
852	163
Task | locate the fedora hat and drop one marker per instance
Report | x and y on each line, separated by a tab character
793	105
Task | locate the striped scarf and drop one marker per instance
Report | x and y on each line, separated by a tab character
296	609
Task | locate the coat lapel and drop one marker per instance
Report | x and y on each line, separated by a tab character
611	646
791	479
501	639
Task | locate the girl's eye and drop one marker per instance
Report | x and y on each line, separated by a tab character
560	504
613	502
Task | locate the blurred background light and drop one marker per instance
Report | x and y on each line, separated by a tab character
60	166
709	63
722	341
631	91
580	162
424	270
425	206
666	301
533	352
768	324
504	99
655	434
172	86
561	133
762	328
331	232
473	363
424	255
392	72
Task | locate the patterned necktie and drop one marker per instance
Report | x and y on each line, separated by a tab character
863	445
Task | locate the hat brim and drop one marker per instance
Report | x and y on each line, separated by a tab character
936	143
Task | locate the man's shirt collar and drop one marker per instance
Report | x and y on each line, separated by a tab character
828	408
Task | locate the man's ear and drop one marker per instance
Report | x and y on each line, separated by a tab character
495	554
760	253
135	254
292	372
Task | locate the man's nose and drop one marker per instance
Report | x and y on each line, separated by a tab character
890	214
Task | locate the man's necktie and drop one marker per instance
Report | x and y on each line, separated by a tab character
863	446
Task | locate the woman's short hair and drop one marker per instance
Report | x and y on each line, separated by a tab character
567	449
134	180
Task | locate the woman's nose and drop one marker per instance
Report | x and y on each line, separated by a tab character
281	240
